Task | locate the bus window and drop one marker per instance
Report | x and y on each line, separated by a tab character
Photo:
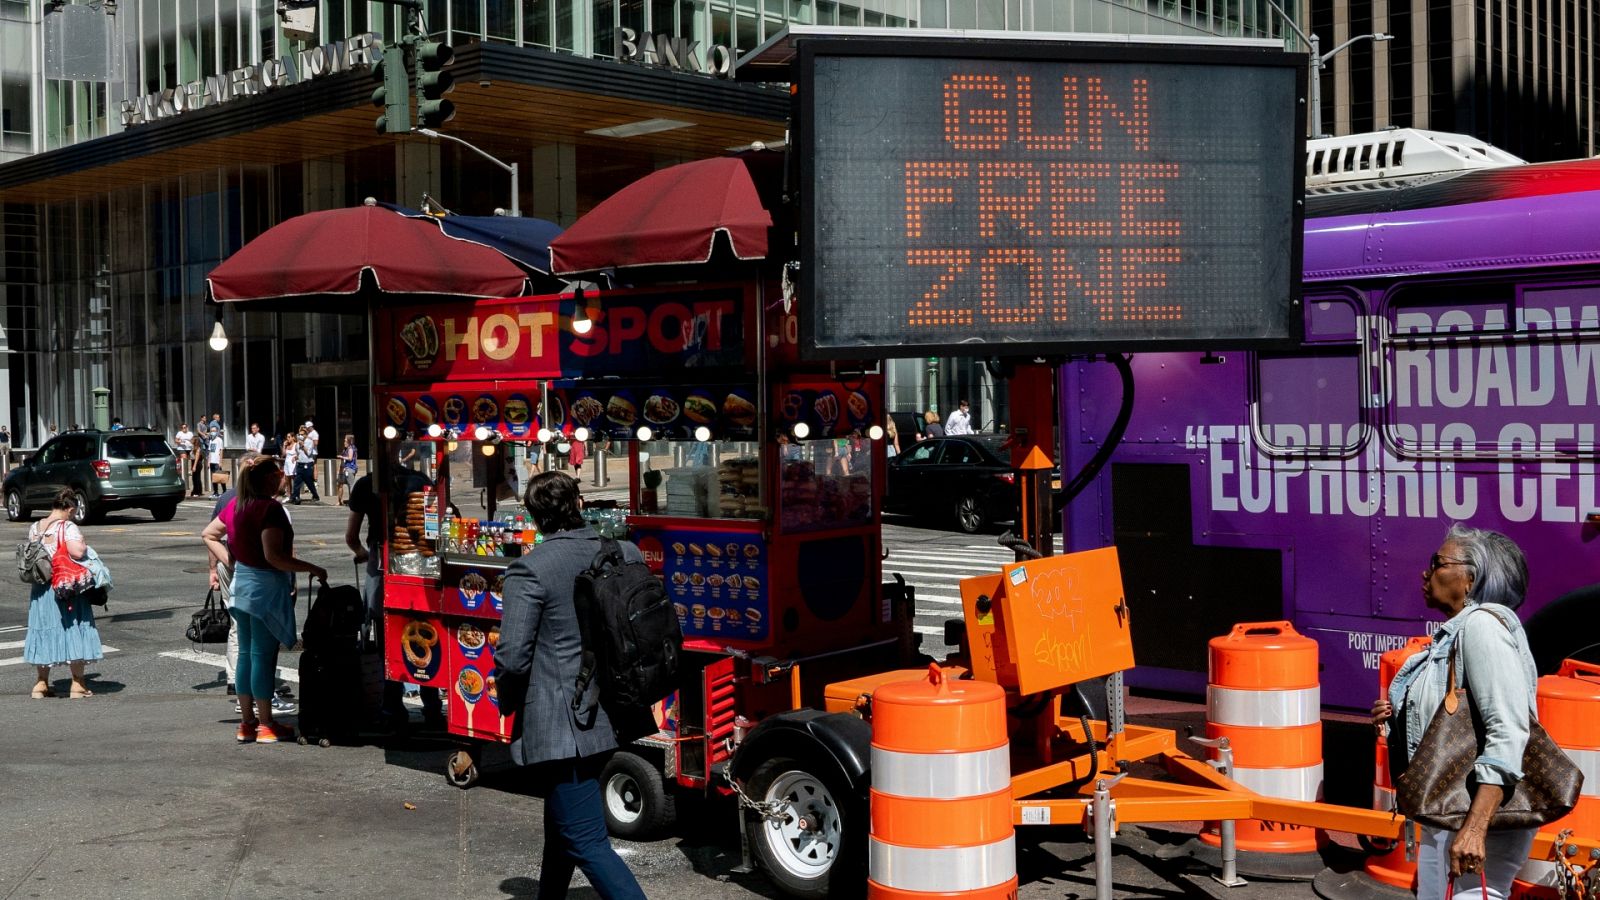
1463	380
1309	404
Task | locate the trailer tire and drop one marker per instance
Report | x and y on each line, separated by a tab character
639	805
820	850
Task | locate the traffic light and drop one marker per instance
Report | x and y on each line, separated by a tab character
433	83
393	92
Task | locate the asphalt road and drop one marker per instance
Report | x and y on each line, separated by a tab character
140	791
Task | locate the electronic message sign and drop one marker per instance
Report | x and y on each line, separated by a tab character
1018	198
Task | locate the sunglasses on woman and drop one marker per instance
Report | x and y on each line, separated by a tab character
1438	562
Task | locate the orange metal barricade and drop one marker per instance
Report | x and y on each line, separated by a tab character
941	791
1569	709
1263	694
1391	868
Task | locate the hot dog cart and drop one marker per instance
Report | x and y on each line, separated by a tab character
751	489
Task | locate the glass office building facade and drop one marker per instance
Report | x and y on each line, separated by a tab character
109	229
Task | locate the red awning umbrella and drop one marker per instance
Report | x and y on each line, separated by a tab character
330	252
669	217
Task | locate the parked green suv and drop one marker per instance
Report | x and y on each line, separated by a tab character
107	469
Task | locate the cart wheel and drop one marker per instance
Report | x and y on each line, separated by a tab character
461	769
819	847
324	742
302	740
639	805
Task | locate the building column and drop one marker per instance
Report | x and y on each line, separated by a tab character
553	185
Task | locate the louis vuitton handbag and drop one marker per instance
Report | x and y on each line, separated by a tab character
1434	788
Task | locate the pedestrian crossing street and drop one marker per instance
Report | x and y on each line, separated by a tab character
13	637
936	572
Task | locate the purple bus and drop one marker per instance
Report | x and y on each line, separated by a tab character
1450	371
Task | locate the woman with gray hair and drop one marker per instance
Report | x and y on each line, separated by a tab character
1475	579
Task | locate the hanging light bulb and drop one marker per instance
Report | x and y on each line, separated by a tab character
581	323
544	435
580	434
702	433
482	433
219	338
875	433
435	430
645	433
801	430
390	432
488	449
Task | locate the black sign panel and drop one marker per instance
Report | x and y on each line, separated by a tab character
1024	197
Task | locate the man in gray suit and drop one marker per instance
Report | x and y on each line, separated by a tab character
536	670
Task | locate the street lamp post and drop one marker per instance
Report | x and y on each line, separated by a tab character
516	206
1319	61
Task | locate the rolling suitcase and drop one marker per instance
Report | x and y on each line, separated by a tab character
331	694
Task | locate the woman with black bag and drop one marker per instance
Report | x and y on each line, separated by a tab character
1476	579
60	632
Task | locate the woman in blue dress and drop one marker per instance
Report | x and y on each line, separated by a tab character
60	633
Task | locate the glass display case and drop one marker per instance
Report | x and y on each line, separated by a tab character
825	483
701	479
414	510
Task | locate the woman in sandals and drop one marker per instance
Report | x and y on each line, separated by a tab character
261	551
60	633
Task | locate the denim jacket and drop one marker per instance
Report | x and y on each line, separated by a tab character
1497	670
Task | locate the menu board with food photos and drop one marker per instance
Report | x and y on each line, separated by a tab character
717	580
670	411
475	591
515	413
474	697
828	409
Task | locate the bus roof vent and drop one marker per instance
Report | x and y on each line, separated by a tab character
1382	158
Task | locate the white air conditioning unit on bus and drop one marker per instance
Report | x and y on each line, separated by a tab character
1376	158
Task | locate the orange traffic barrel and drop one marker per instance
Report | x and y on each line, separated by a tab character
940	815
1569	709
1264	695
1391	867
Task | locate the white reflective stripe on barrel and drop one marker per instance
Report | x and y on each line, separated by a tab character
1539	871
1286	784
1587	761
1270	709
946	869
941	776
1382	798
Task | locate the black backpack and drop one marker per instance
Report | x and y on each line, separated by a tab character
631	636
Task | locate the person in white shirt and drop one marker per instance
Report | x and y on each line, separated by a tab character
183	443
960	421
305	471
214	457
312	439
255	440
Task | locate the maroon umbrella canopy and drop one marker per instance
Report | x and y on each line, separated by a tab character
329	252
668	217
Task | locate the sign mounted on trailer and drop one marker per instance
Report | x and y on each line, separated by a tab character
1020	198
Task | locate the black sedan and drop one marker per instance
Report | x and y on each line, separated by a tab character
967	479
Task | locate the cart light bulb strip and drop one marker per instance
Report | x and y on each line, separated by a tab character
580	434
801	430
435	430
482	433
390	432
544	435
702	434
875	433
644	432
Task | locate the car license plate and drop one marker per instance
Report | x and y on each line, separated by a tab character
146	471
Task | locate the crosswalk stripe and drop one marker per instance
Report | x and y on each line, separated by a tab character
216	659
12	645
13	628
19	661
892	564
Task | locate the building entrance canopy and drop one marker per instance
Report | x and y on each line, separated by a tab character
330	252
